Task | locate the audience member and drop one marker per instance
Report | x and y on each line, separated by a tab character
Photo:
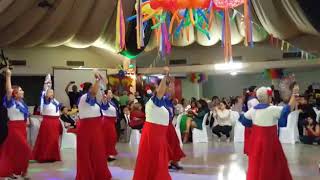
197	120
73	95
311	132
306	111
66	118
223	122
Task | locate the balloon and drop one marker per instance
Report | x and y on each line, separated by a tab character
200	3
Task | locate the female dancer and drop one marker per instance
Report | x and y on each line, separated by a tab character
152	160
175	151
266	156
110	113
47	146
15	151
91	164
251	101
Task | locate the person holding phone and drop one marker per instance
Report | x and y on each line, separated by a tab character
73	95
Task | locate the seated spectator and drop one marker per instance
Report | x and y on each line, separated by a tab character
197	120
66	118
36	109
311	132
178	107
223	122
306	111
137	117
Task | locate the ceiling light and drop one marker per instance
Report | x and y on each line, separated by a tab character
233	73
228	66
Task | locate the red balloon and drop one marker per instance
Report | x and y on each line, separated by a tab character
200	3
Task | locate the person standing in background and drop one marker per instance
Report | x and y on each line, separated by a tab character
73	95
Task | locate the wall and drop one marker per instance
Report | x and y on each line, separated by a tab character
227	85
190	89
41	60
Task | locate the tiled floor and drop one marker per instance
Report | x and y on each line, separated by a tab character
212	161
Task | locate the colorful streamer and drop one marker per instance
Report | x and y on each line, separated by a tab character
120	28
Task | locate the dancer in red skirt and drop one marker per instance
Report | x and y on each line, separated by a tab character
47	146
91	153
110	113
15	151
175	151
152	160
266	157
251	101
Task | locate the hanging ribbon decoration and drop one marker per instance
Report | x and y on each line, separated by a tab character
227	37
248	23
139	27
120	28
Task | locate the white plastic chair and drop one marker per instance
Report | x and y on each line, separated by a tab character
318	114
68	140
238	136
234	116
200	136
177	127
290	134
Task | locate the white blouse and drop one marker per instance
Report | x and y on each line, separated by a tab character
222	118
110	112
86	110
51	109
156	114
15	114
264	117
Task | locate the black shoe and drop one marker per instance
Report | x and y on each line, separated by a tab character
111	159
176	167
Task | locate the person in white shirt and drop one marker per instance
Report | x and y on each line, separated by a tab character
47	146
266	156
15	152
110	114
91	153
222	124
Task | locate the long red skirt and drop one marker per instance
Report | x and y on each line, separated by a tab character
47	146
247	133
91	159
110	135
152	160
266	157
175	151
15	152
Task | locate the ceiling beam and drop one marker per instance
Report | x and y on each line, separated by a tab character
250	67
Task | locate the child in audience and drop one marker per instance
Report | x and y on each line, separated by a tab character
311	132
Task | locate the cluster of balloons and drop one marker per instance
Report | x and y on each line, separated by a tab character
198	77
273	73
